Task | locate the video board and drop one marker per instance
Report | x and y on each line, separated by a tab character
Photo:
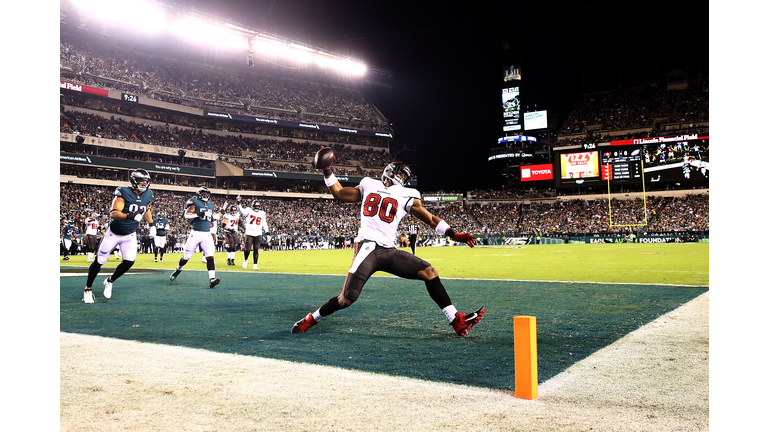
510	100
682	160
660	159
535	120
581	165
622	164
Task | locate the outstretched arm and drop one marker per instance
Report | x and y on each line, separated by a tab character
345	194
439	225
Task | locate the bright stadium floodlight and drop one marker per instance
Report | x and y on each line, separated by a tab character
151	17
267	47
344	66
207	33
352	67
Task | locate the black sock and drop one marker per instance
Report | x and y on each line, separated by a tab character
121	269
437	291
331	306
93	270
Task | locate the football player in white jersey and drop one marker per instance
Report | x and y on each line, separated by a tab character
230	222
255	223
91	233
383	204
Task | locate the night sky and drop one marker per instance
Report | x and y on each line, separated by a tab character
447	61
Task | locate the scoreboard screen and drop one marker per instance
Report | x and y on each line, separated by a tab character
671	158
622	164
510	101
579	165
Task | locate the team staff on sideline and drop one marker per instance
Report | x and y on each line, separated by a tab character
413	235
199	213
383	204
159	233
129	207
91	233
255	222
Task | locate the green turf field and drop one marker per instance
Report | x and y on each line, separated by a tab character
395	328
679	264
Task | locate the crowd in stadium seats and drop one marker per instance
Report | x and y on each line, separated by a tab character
229	85
304	219
270	153
637	108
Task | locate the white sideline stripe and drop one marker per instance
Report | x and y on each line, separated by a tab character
441	278
86	274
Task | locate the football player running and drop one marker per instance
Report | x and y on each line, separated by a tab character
129	207
255	221
199	213
215	218
383	204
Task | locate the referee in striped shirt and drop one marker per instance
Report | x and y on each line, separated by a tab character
413	235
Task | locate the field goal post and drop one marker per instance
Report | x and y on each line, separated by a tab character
645	201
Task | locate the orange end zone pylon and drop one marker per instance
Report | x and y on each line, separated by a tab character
526	363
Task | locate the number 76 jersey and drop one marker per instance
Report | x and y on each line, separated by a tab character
254	221
382	210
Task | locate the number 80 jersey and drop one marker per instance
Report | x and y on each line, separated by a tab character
382	210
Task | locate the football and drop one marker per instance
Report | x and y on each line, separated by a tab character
323	158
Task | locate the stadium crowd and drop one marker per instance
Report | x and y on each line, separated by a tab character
303	223
191	80
261	153
608	113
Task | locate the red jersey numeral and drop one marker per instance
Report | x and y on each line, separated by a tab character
386	208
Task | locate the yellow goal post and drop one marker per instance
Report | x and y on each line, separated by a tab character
645	201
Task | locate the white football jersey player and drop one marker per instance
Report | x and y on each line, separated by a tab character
382	209
231	221
254	221
91	226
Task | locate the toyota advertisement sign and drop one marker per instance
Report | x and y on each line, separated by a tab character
536	172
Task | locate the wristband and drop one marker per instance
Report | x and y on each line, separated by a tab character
442	227
330	181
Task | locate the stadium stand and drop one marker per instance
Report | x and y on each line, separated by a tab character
103	137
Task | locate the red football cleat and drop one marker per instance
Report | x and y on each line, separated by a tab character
462	323
303	324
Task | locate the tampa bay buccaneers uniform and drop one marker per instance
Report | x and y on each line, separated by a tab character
91	235
230	223
255	223
383	204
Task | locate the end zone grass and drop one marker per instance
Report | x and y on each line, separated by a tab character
395	328
675	264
